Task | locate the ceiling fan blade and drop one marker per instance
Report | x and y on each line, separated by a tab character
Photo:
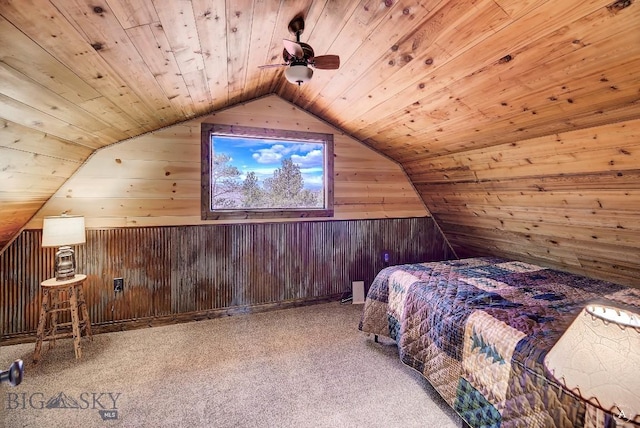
293	48
272	65
326	62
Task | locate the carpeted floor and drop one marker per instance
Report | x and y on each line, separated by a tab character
302	367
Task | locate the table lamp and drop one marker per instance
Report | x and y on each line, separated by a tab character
598	359
62	232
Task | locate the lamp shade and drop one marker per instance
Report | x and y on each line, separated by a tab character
298	73
62	231
598	359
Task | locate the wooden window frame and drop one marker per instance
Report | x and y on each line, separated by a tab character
209	129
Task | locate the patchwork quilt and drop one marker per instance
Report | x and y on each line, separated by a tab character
478	330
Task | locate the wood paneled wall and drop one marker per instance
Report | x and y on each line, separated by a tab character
569	200
154	180
141	202
200	270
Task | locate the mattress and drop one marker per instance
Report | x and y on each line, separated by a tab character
478	330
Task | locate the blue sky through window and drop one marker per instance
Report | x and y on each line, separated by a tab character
264	156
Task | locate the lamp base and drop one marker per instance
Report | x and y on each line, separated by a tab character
65	263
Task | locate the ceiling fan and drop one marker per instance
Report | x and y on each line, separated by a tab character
300	58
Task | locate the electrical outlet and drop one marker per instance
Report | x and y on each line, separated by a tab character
386	257
118	285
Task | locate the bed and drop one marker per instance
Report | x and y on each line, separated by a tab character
478	330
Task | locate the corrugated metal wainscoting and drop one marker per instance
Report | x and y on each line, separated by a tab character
170	271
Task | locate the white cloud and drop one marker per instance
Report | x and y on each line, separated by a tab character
273	154
311	159
313	180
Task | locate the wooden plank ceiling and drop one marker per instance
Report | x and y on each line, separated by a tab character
466	95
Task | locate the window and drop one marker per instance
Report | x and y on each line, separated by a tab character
265	173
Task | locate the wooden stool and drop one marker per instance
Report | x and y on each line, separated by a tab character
72	301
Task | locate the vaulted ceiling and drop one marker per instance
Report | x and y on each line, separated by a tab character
420	81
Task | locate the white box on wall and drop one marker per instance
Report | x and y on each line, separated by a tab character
357	291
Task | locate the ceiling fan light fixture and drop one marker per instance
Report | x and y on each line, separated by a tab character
298	73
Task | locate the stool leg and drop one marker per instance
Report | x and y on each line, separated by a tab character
75	325
55	304
85	312
44	309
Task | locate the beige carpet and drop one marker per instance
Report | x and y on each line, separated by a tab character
302	367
